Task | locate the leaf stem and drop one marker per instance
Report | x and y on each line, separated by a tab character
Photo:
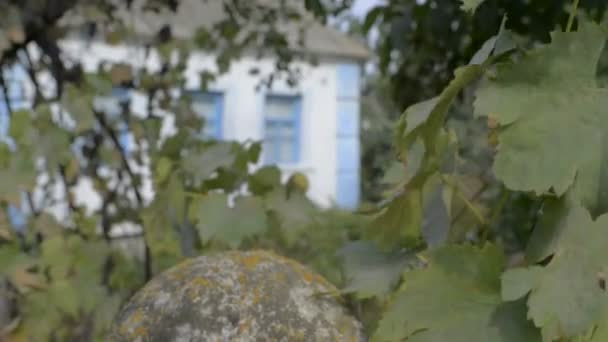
194	194
469	205
495	215
572	15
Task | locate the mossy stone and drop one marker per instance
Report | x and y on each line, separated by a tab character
236	296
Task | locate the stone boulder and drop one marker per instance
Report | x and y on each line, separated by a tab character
236	296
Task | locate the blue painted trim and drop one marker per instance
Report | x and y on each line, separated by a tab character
219	117
348	77
347	133
348	118
298	129
348	154
348	196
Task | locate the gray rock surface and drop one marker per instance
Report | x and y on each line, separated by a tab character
236	296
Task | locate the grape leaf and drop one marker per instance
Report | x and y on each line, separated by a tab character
17	173
294	213
547	232
264	180
401	219
456	298
217	221
369	271
470	5
549	105
567	297
202	165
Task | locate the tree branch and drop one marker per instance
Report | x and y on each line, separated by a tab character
125	163
7	100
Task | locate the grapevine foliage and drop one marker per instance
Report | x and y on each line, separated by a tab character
546	117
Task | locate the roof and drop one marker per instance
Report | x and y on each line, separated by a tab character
318	39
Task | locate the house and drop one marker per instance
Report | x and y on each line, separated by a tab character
312	128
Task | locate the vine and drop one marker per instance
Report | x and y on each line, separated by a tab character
546	115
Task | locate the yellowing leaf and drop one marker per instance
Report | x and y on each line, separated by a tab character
23	278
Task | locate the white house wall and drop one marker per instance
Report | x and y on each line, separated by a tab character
243	105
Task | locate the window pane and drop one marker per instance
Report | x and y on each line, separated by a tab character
287	150
280	108
204	107
281	131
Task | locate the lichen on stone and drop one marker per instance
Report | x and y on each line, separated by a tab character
236	296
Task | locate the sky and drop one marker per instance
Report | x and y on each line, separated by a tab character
361	7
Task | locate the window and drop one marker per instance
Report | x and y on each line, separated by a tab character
282	129
209	106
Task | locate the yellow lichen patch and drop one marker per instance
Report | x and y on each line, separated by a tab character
181	271
136	317
140	332
194	285
242	278
257	296
199	282
149	291
251	261
134	320
244	326
310	276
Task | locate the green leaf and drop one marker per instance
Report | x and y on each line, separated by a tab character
499	44
64	295
470	5
456	298
217	221
436	225
567	297
79	103
369	271
264	180
56	256
401	220
163	169
516	283
294	213
203	165
549	105
371	17
18	173
547	232
21	127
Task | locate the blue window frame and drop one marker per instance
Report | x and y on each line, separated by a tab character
209	106
282	129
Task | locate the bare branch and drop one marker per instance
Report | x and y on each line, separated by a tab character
125	163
